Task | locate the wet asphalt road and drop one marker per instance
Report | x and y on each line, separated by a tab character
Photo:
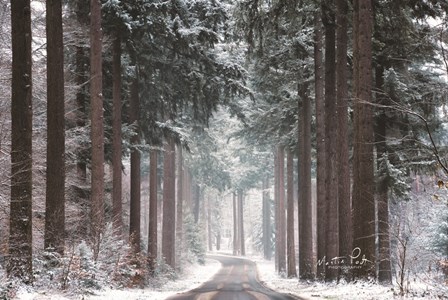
236	280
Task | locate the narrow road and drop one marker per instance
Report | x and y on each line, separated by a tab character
236	280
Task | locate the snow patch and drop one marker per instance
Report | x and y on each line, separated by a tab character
192	277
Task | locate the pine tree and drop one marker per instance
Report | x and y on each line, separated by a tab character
55	177
363	177
97	120
290	244
20	263
305	217
169	204
117	214
152	226
331	129
320	143
280	228
343	168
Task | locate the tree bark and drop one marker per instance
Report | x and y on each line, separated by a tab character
305	217
290	243
236	247
20	263
54	236
179	203
384	265
267	232
241	222
331	110
97	121
197	202
135	202
280	202
169	204
363	170
117	209
276	210
345	208
320	145
152	224
209	225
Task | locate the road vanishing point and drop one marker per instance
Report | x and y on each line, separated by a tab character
236	280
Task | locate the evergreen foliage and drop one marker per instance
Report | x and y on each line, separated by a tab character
194	240
222	78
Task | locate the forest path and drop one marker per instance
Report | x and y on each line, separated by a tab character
236	280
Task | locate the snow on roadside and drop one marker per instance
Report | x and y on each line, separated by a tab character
192	277
349	291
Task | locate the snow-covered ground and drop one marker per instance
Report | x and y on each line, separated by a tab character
195	275
347	291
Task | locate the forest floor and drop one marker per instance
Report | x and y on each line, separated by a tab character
194	275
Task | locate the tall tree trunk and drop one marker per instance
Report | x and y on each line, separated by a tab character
280	246
241	222
97	121
209	225
54	236
135	202
152	225
305	217
187	191
267	232
384	266
20	262
117	209
331	109
290	244
320	144
345	208
236	247
276	211
179	203
197	202
363	170
169	204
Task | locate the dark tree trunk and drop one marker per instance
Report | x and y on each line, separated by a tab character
20	222
305	217
209	225
197	202
117	217
280	246
152	230
179	203
276	211
345	208
331	108
55	188
97	121
169	204
241	222
267	232
218	240
384	265
135	202
363	170
290	244
236	247
320	145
